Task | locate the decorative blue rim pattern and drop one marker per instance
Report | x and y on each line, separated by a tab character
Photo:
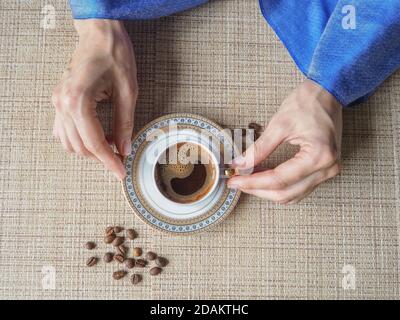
140	209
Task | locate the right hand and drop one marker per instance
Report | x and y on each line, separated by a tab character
102	67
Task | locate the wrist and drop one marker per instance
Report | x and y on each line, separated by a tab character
326	99
99	28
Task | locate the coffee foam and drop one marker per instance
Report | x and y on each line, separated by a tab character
190	178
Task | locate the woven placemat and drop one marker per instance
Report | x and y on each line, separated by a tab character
222	61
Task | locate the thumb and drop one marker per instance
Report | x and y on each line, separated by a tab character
124	106
260	149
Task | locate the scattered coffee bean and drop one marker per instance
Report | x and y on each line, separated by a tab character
130	263
109	231
151	256
121	250
108	257
110	238
137	252
141	263
131	234
118	241
255	126
229	172
119	258
161	262
118	229
155	271
91	261
119	274
90	245
136	278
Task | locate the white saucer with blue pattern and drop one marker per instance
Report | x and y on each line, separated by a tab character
148	203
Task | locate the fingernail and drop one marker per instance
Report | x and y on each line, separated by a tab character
239	161
127	147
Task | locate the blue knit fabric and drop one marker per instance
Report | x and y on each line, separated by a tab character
129	9
348	62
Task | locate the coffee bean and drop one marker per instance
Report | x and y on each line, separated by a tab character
137	252
229	172
90	245
108	257
119	258
118	229
130	263
121	250
110	238
141	263
109	231
91	261
155	271
255	126
151	256
131	234
119	274
136	278
161	262
118	241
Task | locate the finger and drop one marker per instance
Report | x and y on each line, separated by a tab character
284	175
330	173
75	139
64	138
124	105
92	134
303	196
55	127
270	139
298	190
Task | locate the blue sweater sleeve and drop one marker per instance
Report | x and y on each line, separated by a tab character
349	63
352	63
129	9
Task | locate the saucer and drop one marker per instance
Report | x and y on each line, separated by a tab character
146	200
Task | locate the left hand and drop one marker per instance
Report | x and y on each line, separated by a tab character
311	118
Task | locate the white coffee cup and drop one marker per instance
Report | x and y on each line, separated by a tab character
148	163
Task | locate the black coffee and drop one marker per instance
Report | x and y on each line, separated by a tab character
185	173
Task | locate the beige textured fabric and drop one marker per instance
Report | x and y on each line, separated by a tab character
221	61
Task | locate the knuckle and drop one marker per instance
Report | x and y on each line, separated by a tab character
126	125
96	147
68	148
82	151
278	183
326	157
69	97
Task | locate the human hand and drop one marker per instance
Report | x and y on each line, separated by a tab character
102	67
311	118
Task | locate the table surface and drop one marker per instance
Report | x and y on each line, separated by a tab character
222	61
